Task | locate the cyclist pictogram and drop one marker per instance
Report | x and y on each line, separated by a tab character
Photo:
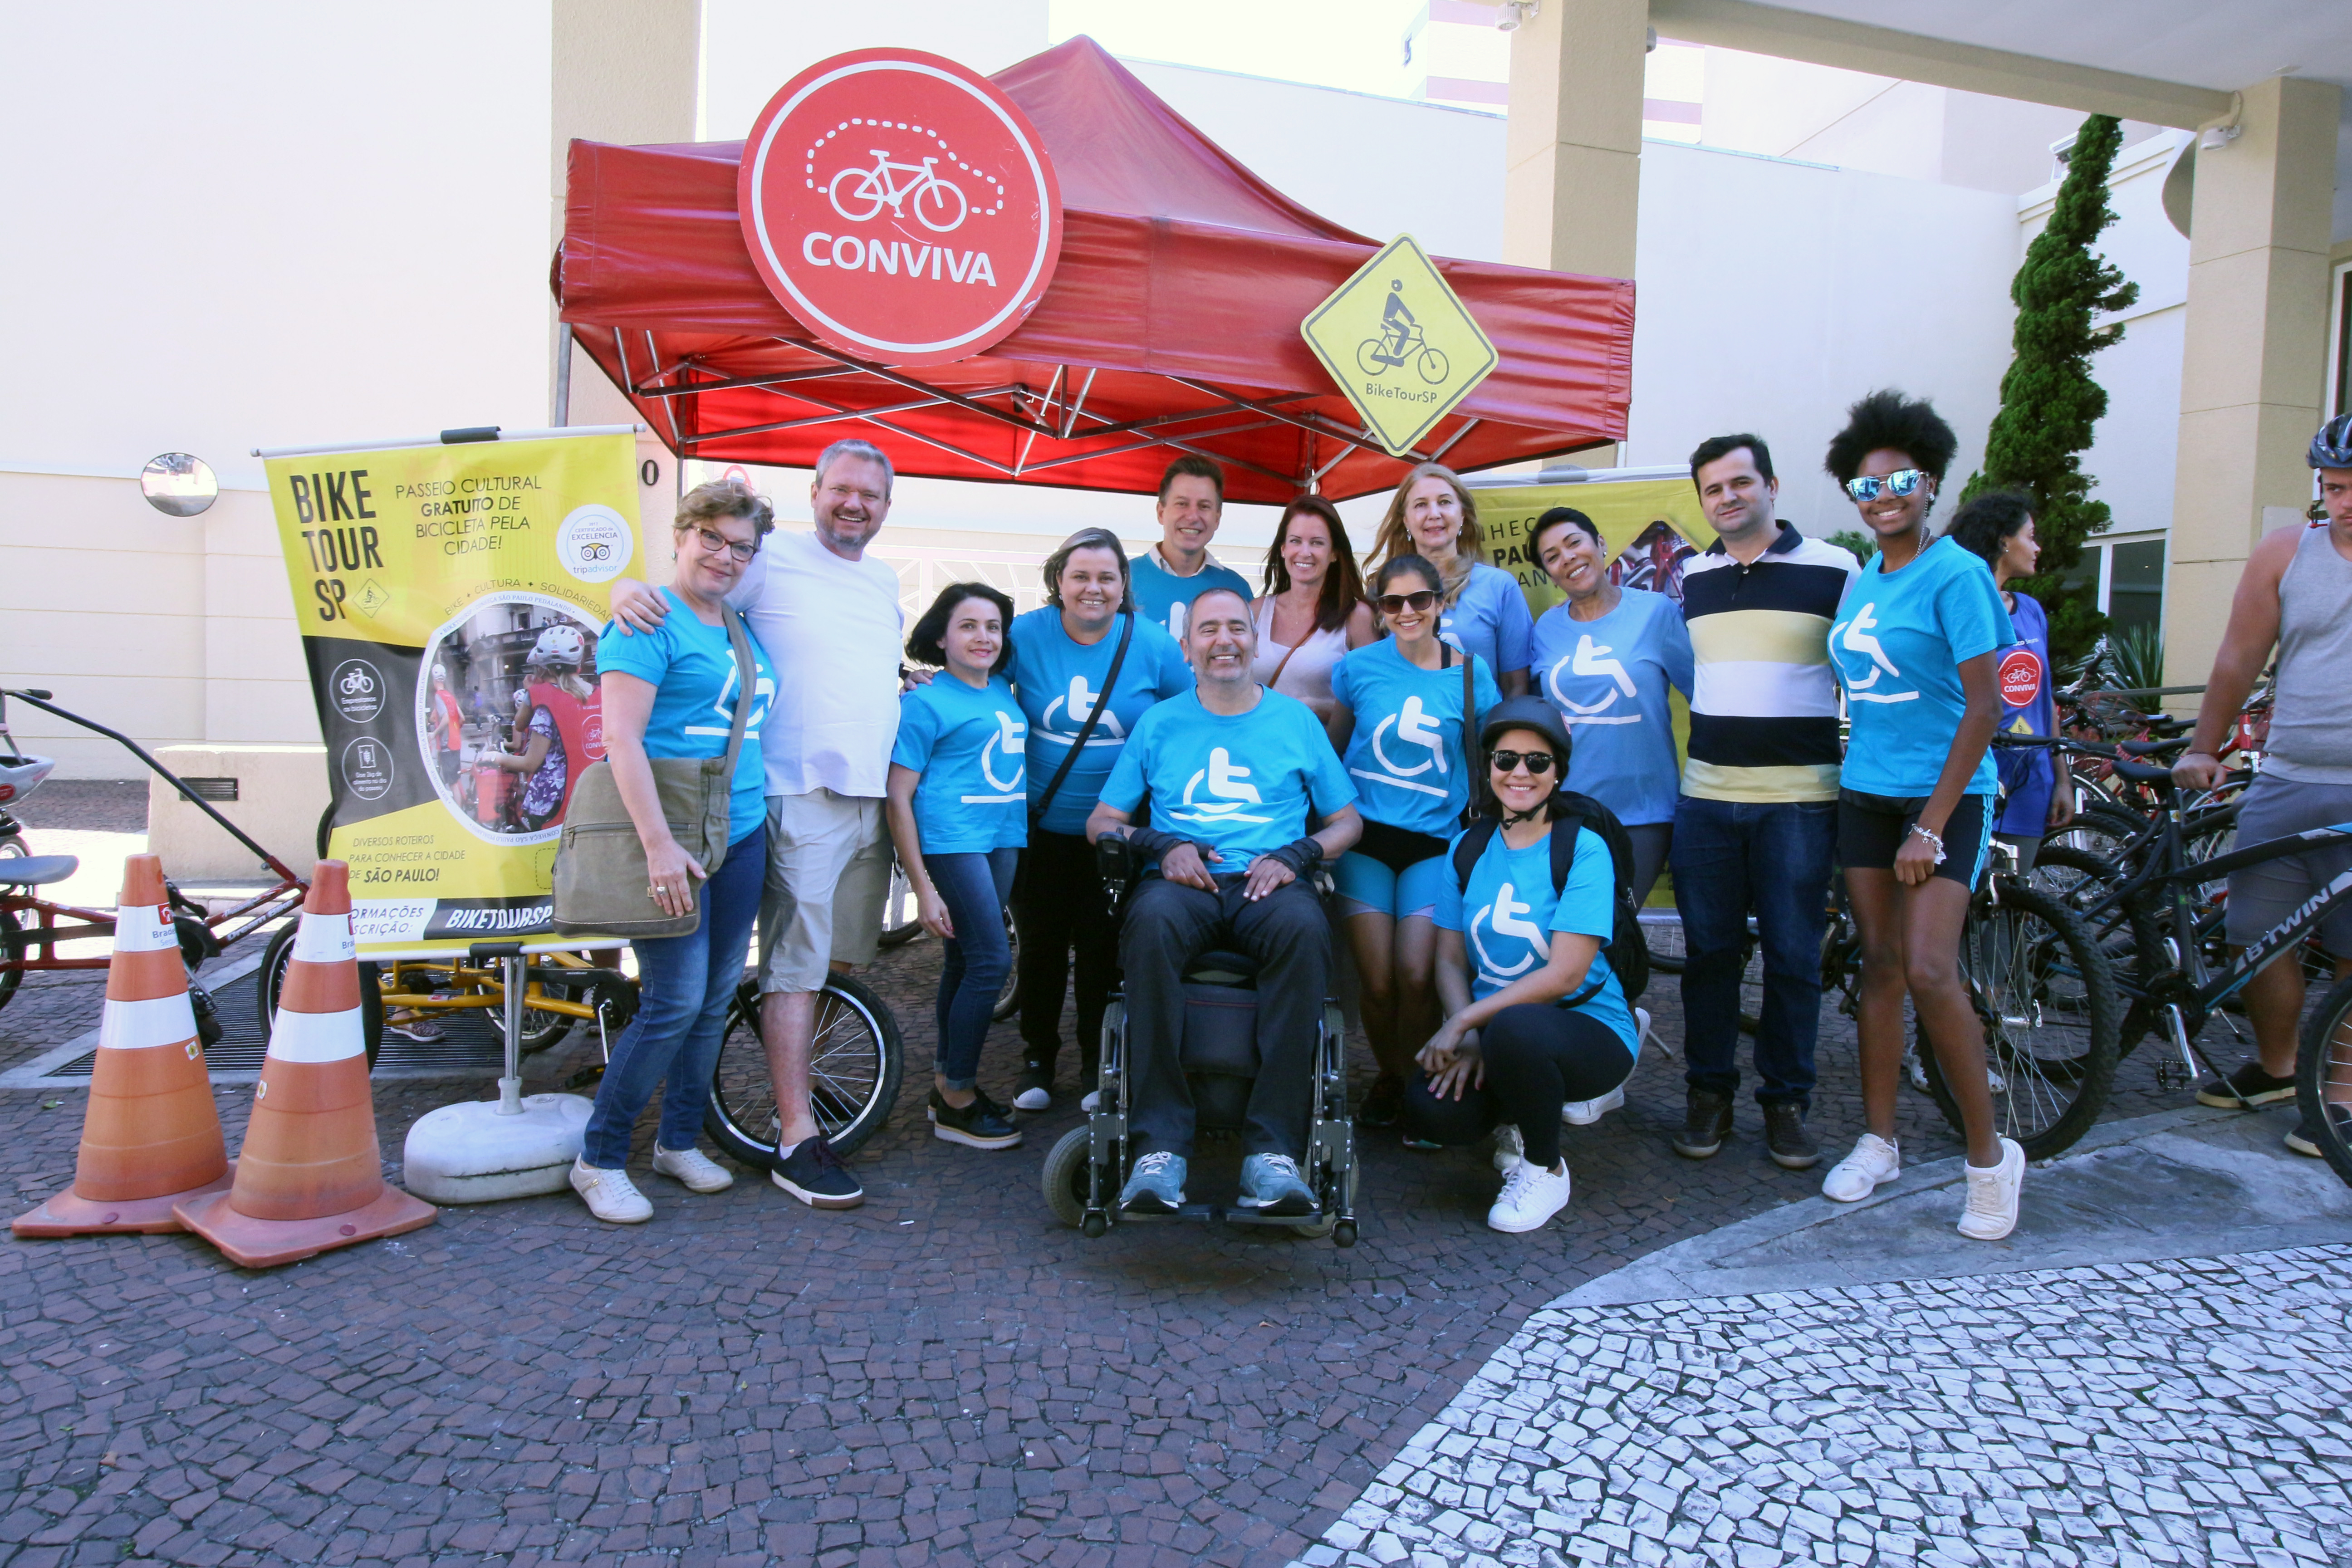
860	194
1402	341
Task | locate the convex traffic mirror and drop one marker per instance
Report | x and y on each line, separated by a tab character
178	484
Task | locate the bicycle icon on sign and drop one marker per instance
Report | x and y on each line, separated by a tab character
939	206
356	684
1402	341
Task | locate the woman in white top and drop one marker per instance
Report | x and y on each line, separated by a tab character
1313	609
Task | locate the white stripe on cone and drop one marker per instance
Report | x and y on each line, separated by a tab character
143	928
139	1025
317	1036
324	939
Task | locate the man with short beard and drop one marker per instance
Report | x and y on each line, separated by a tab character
828	615
1235	773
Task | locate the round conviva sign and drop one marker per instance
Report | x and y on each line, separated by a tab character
2021	676
899	206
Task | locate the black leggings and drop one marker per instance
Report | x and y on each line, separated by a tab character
1059	902
1539	1055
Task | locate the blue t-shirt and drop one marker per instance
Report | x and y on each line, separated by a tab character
1242	785
1609	678
1059	681
691	668
1490	619
969	744
2028	773
1511	914
1407	742
1161	597
1899	642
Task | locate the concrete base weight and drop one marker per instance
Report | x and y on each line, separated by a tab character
69	1214
469	1153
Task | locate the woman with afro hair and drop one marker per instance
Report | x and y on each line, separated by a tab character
1915	645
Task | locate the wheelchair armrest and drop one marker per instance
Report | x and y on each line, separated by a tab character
1116	860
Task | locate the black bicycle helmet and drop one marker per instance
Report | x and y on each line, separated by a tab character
2331	448
1525	713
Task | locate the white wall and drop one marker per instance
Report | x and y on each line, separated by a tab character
751	47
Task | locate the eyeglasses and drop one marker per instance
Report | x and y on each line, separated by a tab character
1869	487
1418	602
1537	762
715	543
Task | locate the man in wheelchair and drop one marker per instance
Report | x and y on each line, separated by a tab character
1235	772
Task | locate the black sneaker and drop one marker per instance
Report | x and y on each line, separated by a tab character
1706	1122
814	1173
1033	1089
1384	1103
2249	1085
1785	1138
982	1124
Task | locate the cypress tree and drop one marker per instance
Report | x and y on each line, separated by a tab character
2049	403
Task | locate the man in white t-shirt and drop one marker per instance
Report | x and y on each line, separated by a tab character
828	615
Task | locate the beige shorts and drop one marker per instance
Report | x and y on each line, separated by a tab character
828	874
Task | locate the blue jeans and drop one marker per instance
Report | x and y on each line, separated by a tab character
1729	858
975	887
684	985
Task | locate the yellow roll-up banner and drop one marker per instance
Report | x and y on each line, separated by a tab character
450	598
1626	511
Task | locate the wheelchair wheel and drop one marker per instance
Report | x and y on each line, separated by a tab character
898	923
1064	1177
856	1060
271	980
1008	1001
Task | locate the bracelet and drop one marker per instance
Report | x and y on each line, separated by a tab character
1935	840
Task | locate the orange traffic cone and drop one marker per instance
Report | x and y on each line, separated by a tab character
150	1136
309	1177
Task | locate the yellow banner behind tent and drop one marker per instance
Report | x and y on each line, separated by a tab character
449	598
1623	508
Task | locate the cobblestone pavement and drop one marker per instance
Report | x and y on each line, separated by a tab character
944	1375
2118	1417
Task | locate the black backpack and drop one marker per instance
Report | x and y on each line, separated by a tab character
1629	955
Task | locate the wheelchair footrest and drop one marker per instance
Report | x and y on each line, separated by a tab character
1219	1211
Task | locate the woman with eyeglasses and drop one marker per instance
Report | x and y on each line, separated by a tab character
1064	654
1535	1018
958	811
673	693
1604	656
1403	711
1432	515
1313	609
1915	645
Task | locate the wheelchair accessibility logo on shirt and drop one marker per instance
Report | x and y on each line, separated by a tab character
1853	638
1591	659
1228	789
1075	707
1416	729
1503	918
1009	745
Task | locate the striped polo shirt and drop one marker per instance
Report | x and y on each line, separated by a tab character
1764	702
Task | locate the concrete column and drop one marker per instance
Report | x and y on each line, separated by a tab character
2255	355
1572	155
622	70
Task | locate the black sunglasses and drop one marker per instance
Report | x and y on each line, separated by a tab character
1418	601
1537	762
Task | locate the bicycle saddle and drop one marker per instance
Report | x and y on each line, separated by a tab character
32	871
2153	748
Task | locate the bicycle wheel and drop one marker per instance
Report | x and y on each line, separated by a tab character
856	1060
1008	1001
1431	366
12	947
271	980
1662	933
2046	997
939	207
2323	1078
865	196
898	923
539	1029
2129	936
1368	358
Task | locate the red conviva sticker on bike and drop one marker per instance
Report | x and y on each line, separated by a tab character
900	206
2021	676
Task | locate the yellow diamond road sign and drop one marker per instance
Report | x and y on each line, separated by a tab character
1400	343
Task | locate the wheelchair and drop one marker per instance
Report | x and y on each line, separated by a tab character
1087	1167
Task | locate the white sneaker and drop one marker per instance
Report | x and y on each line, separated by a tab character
1034	1100
1531	1196
1641	1032
1092	1103
1873	1162
611	1196
698	1171
1992	1212
1585	1112
1509	1149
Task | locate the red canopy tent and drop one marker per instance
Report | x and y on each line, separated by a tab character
1171	324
